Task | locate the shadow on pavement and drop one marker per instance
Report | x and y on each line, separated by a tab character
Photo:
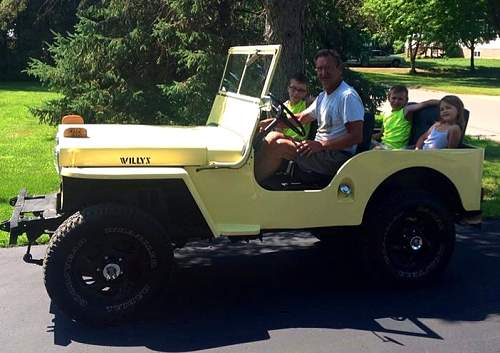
227	294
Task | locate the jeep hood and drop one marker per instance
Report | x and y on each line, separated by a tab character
141	145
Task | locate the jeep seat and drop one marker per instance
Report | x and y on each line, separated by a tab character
424	118
369	123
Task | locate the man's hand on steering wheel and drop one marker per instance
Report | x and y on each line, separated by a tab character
291	120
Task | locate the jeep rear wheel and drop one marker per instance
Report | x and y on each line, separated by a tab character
414	238
106	262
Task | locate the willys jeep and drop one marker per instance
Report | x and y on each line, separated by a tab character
131	194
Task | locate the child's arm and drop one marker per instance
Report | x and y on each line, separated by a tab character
454	135
421	139
309	100
412	108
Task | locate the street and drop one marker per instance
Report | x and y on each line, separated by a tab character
287	294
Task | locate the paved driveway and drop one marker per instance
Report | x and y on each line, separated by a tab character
287	294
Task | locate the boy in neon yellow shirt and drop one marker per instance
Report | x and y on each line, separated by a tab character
396	125
298	101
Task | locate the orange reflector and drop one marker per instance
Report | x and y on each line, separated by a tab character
75	132
72	119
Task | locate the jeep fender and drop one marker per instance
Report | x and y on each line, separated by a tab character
150	174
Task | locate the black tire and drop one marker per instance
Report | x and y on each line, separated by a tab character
106	262
412	238
396	63
365	61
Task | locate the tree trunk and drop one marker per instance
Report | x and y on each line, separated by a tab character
225	24
414	45
285	26
472	49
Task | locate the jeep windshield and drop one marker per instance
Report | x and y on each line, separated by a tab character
247	73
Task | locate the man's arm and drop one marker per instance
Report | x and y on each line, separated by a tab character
409	109
353	136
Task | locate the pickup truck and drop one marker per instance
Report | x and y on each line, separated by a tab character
131	194
377	58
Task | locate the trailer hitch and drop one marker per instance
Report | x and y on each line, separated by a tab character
33	215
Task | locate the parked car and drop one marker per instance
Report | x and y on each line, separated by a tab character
131	194
376	58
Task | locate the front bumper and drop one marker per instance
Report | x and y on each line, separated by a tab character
33	215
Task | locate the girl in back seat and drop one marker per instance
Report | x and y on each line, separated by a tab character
447	131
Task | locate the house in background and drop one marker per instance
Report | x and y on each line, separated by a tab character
489	50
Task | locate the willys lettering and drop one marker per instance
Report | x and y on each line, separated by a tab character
135	160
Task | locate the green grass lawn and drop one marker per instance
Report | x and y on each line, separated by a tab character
450	75
26	147
491	176
26	152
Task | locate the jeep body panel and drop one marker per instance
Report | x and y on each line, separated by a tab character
142	173
136	145
235	200
224	141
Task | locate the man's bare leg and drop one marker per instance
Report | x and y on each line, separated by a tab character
274	149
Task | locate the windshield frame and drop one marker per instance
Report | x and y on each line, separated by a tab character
273	50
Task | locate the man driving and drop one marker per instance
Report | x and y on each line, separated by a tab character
339	111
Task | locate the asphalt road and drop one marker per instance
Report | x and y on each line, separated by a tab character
287	294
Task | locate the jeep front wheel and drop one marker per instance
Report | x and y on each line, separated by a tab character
105	262
413	240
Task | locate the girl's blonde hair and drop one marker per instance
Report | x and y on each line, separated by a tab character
457	103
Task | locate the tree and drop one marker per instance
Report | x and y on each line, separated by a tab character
155	61
404	20
25	28
494	13
339	24
285	25
160	61
463	21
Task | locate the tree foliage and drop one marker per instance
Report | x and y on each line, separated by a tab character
160	61
409	21
339	25
26	26
494	13
463	21
444	22
150	61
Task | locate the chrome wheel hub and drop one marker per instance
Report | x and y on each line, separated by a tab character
111	271
416	243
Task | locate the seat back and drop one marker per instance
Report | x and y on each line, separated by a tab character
368	124
424	118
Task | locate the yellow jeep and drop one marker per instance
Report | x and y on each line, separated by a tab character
130	194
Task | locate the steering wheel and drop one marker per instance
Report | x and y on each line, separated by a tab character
292	123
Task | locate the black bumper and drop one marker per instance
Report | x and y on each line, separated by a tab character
33	215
